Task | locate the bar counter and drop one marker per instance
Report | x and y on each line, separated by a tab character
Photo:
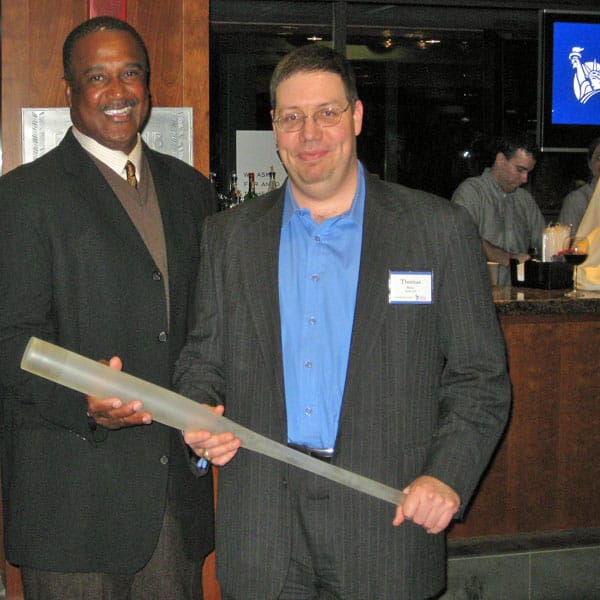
530	301
545	475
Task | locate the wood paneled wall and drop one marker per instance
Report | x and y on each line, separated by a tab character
33	32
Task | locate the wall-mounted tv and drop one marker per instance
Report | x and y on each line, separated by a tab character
568	80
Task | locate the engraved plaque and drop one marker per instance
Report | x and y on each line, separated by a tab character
169	130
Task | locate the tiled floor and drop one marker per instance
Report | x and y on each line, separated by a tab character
549	566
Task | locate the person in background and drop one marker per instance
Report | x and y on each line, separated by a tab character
351	319
99	502
509	220
576	202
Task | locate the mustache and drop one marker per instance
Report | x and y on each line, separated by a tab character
117	105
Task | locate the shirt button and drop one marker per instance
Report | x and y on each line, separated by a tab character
317	238
157	275
163	336
315	277
312	320
308	411
307	364
164	459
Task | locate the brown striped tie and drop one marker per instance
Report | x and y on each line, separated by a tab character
130	170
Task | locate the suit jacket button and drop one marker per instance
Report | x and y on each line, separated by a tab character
163	336
164	460
157	275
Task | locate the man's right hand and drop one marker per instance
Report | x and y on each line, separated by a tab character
111	413
501	256
218	449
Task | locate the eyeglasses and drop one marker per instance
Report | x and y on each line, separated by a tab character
289	122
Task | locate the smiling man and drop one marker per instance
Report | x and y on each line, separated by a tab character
106	86
320	161
308	333
99	247
508	218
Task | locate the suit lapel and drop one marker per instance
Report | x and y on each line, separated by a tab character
169	205
95	192
261	286
382	212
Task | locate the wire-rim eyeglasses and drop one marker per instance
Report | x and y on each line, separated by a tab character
292	121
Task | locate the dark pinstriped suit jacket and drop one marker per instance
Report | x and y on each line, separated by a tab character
427	390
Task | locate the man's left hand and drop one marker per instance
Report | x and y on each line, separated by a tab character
429	503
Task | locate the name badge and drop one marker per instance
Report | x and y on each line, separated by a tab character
410	287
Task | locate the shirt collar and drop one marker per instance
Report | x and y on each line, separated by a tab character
499	190
114	159
355	212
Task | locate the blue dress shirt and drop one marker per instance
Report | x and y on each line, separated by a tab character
318	279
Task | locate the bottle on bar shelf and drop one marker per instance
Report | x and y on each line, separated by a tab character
234	196
251	193
273	184
222	202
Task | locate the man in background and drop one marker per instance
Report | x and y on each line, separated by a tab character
509	220
99	245
351	319
576	202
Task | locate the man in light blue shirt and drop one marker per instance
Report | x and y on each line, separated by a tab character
351	319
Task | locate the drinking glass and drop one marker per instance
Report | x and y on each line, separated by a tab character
575	251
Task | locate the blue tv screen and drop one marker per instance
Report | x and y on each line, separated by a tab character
569	80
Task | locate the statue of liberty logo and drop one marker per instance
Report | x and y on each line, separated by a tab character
586	82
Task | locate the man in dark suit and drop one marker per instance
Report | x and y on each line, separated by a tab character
352	319
99	502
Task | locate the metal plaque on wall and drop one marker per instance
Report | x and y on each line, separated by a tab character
169	130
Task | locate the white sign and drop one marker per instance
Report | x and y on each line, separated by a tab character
255	152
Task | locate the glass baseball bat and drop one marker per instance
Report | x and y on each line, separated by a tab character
96	379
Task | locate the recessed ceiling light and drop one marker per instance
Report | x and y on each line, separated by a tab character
424	44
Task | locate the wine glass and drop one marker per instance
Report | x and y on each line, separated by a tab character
575	251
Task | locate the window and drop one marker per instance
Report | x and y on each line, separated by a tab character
435	82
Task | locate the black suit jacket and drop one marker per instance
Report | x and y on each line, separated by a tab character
74	271
427	390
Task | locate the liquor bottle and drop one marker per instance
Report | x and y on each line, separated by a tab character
273	184
251	193
222	202
234	196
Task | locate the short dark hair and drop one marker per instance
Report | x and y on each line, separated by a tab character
509	145
314	58
94	25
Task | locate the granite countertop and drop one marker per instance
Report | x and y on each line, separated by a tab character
532	301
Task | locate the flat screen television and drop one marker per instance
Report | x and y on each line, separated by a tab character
568	80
